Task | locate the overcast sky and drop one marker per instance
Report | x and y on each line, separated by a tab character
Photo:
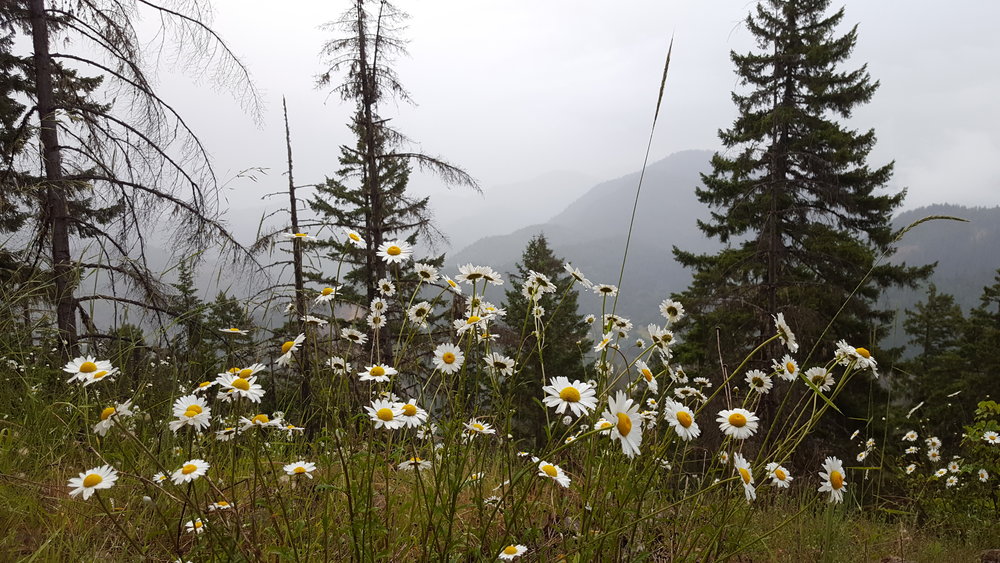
516	89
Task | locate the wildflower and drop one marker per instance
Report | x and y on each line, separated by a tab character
579	397
991	437
743	469
671	310
911	468
81	368
953	466
934	455
475	426
471	274
787	368
425	272
376	320
377	372
724	458
204	386
386	287
88	482
554	472
288	347
862	455
293	236
647	374
681	419
860	357
300	468
912	450
419	313
471	322
190	471
512	552
603	343
737	423
834	480
589	319
226	434
412	415
628	425
219	505
241	385
385	414
940	472
453	285
259	421
785	333
394	252
605	290
159	478
933	442
193	411
448	358
327	294
779	475
414	463
499	364
759	381
110	415
984	475
820	378
195	526
577	275
951	481
910	436
354	237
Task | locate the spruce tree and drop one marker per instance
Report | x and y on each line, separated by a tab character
558	352
803	215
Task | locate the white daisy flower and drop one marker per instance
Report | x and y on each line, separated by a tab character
499	364
191	410
984	475
412	416
339	365
604	341
385	414
671	310
934	455
234	330
627	427
288	348
991	437
605	290
414	463
300	236
378	372
577	396
110	415
910	436
426	273
89	482
512	552
954	467
742	467
376	320
911	468
83	369
354	336
241	385
834	479
577	275
554	472
951	481
759	381
260	421
471	274
453	285
779	475
476	426
820	377
300	468
787	368
220	505
386	287
394	252
448	358
327	294
354	237
189	471
737	423
419	313
785	333
195	526
681	419
648	376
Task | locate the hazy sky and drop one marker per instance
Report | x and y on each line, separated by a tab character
513	90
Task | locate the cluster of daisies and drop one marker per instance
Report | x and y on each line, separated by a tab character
952	470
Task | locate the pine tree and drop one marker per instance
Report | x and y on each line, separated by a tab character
803	215
559	352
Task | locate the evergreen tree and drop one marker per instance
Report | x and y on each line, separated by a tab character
803	215
558	352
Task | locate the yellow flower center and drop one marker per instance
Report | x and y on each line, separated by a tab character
864	353
790	367
198	524
448	358
738	420
233	329
452	283
415	460
836	480
189	469
570	395
100	374
260	419
88	367
287	346
685	419
409	410
234	370
394	250
781	475
647	374
196	409
550	470
384	414
92	480
204	384
510	550
376	371
604	425
241	384
300	234
473	319
246	372
327	291
106	413
745	475
478	427
299	470
624	424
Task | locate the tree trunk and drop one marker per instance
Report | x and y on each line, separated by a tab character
55	191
